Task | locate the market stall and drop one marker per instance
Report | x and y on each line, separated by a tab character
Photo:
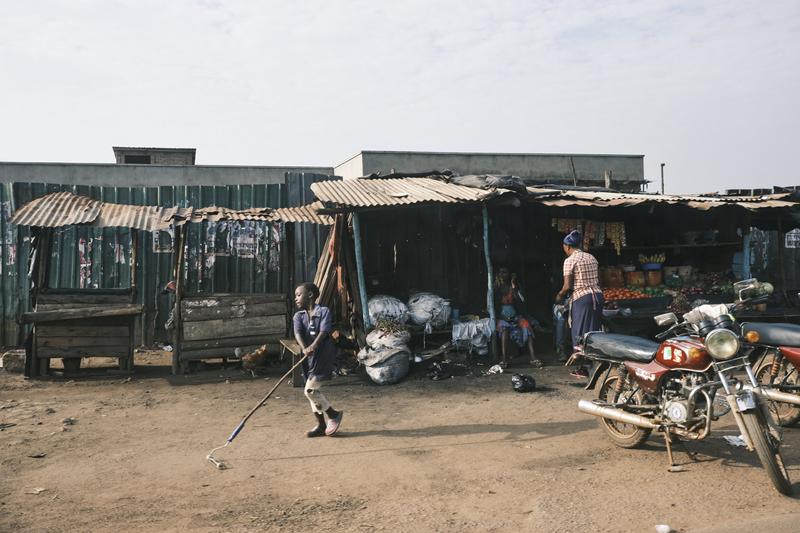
97	321
446	235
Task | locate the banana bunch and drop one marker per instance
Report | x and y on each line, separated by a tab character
655	258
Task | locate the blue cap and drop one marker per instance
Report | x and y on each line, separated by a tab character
574	239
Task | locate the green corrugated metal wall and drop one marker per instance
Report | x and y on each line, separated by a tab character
238	257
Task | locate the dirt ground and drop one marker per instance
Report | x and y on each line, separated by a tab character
465	454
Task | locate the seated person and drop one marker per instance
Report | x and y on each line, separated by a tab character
512	324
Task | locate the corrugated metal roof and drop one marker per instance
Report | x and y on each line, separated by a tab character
304	213
398	191
66	209
565	198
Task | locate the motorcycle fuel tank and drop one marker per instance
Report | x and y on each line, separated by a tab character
684	353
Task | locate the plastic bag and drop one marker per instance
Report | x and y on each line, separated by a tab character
386	366
383	306
523	383
377	339
429	310
473	335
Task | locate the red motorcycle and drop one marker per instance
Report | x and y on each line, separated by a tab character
776	348
682	385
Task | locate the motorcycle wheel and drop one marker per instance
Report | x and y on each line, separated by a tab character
623	435
786	414
768	451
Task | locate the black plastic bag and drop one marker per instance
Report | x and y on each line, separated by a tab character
523	383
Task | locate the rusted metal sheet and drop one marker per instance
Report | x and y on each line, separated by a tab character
305	213
396	191
68	209
567	198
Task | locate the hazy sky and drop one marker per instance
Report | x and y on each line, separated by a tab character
709	87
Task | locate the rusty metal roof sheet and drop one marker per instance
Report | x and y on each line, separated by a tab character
564	198
304	213
66	209
395	191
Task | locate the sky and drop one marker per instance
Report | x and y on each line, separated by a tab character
710	88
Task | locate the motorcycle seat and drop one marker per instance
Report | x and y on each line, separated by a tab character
619	347
774	334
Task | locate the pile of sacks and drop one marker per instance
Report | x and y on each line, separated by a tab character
387	356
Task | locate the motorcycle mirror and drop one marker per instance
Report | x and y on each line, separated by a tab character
667	319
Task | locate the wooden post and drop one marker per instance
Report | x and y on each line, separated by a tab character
180	234
489	269
781	265
362	285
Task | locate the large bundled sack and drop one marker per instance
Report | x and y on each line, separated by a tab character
385	366
429	310
388	307
377	339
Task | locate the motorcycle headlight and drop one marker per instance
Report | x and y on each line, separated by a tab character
722	344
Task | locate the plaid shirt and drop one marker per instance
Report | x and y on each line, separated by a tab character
583	269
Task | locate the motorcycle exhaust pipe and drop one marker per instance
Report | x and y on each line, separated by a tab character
617	415
778	396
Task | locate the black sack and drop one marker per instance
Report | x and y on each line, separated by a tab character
523	383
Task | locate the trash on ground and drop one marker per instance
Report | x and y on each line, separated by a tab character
677	468
167	347
35	490
664	528
523	383
496	369
37	455
69	421
439	371
735	441
6	425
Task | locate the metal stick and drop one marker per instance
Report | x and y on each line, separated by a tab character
220	464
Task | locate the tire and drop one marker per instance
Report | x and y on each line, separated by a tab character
621	434
768	453
785	414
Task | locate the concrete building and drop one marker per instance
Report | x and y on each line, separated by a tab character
627	171
148	167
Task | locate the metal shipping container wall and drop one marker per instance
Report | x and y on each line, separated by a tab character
221	257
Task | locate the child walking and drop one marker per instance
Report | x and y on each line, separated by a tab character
312	328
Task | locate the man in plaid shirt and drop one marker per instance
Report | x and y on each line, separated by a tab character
580	275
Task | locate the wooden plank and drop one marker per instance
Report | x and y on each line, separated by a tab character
241	327
213	353
193	314
88	298
69	342
46	353
86	312
249	298
254	340
81	331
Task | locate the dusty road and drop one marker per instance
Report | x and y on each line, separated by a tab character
466	454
